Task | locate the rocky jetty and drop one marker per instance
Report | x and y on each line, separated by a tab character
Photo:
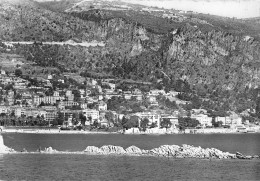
3	148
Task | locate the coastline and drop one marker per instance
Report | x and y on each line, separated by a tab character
57	131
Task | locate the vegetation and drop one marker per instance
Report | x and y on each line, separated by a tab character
144	123
187	122
166	123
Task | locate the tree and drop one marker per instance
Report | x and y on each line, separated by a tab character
76	94
110	117
186	122
129	123
18	72
95	124
216	123
82	119
60	118
144	123
42	104
166	123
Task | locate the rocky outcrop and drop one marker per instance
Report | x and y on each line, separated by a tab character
184	151
133	150
110	149
92	149
49	150
175	151
3	148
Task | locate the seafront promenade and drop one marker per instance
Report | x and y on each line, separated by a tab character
131	131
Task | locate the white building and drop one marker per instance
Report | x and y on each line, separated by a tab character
153	117
173	119
231	120
94	114
102	106
203	119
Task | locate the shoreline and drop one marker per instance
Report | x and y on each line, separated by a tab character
56	131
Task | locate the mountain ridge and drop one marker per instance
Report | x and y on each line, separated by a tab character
216	59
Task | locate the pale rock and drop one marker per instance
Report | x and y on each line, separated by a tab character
110	149
133	150
93	149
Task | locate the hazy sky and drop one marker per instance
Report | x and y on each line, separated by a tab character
229	8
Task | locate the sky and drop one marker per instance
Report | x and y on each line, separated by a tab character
228	8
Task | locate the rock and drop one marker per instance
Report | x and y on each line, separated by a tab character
110	149
133	150
238	153
50	150
248	157
256	156
93	149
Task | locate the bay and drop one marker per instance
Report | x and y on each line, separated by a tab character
101	167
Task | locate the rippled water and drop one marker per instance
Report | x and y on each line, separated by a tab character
85	167
90	167
244	143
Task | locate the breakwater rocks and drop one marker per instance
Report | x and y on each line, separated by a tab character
184	151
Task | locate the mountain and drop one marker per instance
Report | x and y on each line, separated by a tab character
214	58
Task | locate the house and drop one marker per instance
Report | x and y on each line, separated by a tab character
127	96
138	97
2	72
83	105
203	119
61	80
173	119
5	109
33	112
49	77
152	117
70	114
102	106
92	114
156	92
153	101
231	120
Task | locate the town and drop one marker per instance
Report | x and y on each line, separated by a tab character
72	102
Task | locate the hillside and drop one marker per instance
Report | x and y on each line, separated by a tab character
214	58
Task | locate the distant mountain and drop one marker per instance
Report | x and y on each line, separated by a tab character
214	57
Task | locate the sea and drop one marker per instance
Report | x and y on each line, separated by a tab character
108	167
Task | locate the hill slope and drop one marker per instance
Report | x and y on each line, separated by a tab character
216	58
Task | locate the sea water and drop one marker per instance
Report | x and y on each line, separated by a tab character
91	167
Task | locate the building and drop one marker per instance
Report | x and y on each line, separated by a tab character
84	106
173	119
91	113
203	119
102	106
5	109
231	120
33	112
51	116
156	92
67	113
153	117
37	100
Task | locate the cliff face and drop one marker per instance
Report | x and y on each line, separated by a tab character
210	56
